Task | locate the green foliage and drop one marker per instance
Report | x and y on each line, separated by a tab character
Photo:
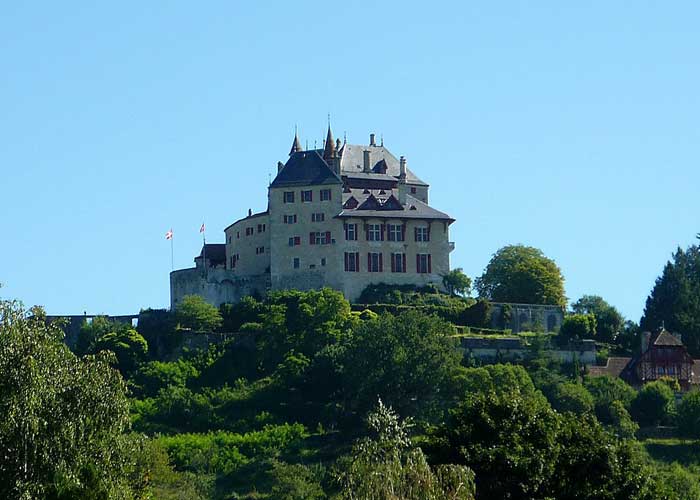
606	391
225	452
609	321
508	437
675	299
381	293
91	332
129	347
654	404
571	397
680	483
456	282
62	416
688	417
247	310
477	315
156	375
195	313
296	481
386	466
409	361
621	423
522	274
577	327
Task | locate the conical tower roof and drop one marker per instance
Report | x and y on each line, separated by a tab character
329	150
296	145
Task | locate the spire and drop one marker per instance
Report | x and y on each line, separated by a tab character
329	149
296	145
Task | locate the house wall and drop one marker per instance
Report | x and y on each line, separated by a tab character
250	263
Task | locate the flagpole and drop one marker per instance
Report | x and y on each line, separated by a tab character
172	255
204	251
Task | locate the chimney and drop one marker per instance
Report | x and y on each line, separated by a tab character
280	166
366	160
402	168
371	140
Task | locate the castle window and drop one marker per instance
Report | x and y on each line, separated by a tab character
423	263
325	195
307	196
290	219
261	228
323	261
374	262
413	190
396	232
289	196
238	235
259	250
374	232
319	217
398	262
422	233
295	241
295	263
249	231
350	232
319	238
352	262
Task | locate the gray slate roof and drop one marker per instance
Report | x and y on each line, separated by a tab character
421	210
305	168
352	160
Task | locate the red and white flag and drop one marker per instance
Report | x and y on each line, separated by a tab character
201	229
169	235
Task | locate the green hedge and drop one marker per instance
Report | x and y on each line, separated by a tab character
225	452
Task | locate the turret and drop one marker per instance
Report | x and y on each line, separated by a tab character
296	145
329	150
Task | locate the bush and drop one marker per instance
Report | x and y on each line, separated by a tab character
225	452
578	326
689	415
195	313
607	390
653	404
156	375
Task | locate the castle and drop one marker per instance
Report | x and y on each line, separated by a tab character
345	216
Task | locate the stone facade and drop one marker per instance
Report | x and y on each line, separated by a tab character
344	217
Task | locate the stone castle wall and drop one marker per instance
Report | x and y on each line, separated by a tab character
216	285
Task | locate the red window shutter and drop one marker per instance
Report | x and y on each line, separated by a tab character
311	195
382	233
381	264
328	237
346	261
393	262
417	262
312	238
357	262
403	258
430	266
345	228
403	232
297	240
369	262
367	232
415	233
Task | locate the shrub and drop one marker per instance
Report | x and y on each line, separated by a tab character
578	326
653	404
689	415
195	313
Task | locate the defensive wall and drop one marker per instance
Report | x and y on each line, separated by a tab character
513	349
215	284
71	324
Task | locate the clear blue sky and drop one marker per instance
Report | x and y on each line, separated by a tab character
572	128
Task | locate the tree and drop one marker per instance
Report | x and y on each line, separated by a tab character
689	415
409	361
386	466
63	416
195	313
577	327
675	299
523	274
456	282
609	321
653	404
129	347
605	392
571	397
507	437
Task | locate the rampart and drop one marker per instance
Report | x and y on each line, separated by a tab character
216	285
